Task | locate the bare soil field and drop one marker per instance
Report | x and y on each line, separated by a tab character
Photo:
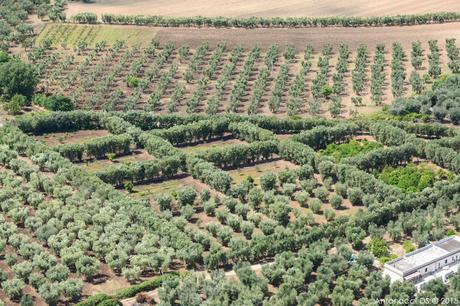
264	8
317	37
55	139
299	37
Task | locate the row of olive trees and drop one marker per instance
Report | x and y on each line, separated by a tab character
252	22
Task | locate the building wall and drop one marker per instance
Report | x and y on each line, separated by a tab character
433	267
393	276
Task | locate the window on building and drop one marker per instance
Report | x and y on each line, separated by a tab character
445	261
426	269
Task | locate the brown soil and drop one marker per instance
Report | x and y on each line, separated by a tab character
264	8
55	139
314	36
365	137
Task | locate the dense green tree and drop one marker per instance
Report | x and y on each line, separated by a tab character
17	77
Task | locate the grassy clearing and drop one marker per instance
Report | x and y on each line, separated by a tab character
96	165
70	34
239	175
210	145
148	190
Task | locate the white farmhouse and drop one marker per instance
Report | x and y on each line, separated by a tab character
440	260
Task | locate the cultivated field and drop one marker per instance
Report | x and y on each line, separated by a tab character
264	8
333	80
237	161
214	192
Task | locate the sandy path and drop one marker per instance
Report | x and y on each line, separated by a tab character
264	8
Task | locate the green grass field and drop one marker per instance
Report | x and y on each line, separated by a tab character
165	187
70	34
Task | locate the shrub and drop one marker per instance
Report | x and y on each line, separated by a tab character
308	185
209	208
302	197
268	181
326	91
144	286
16	104
242	210
50	293
321	193
230	203
247	228
454	115
13	288
17	77
186	196
128	186
289	189
329	214
378	247
408	246
187	212
336	201
355	195
94	300
255	197
315	205
305	172
58	103
287	176
205	195
268	226
165	202
132	81
341	189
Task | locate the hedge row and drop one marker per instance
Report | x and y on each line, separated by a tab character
141	171
97	147
319	137
379	158
253	22
158	146
250	132
194	132
209	174
237	155
297	152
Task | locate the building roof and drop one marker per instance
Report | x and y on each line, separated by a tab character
426	255
450	245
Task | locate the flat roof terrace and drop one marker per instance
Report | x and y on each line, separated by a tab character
426	255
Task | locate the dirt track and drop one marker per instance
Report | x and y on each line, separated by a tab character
315	36
265	8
